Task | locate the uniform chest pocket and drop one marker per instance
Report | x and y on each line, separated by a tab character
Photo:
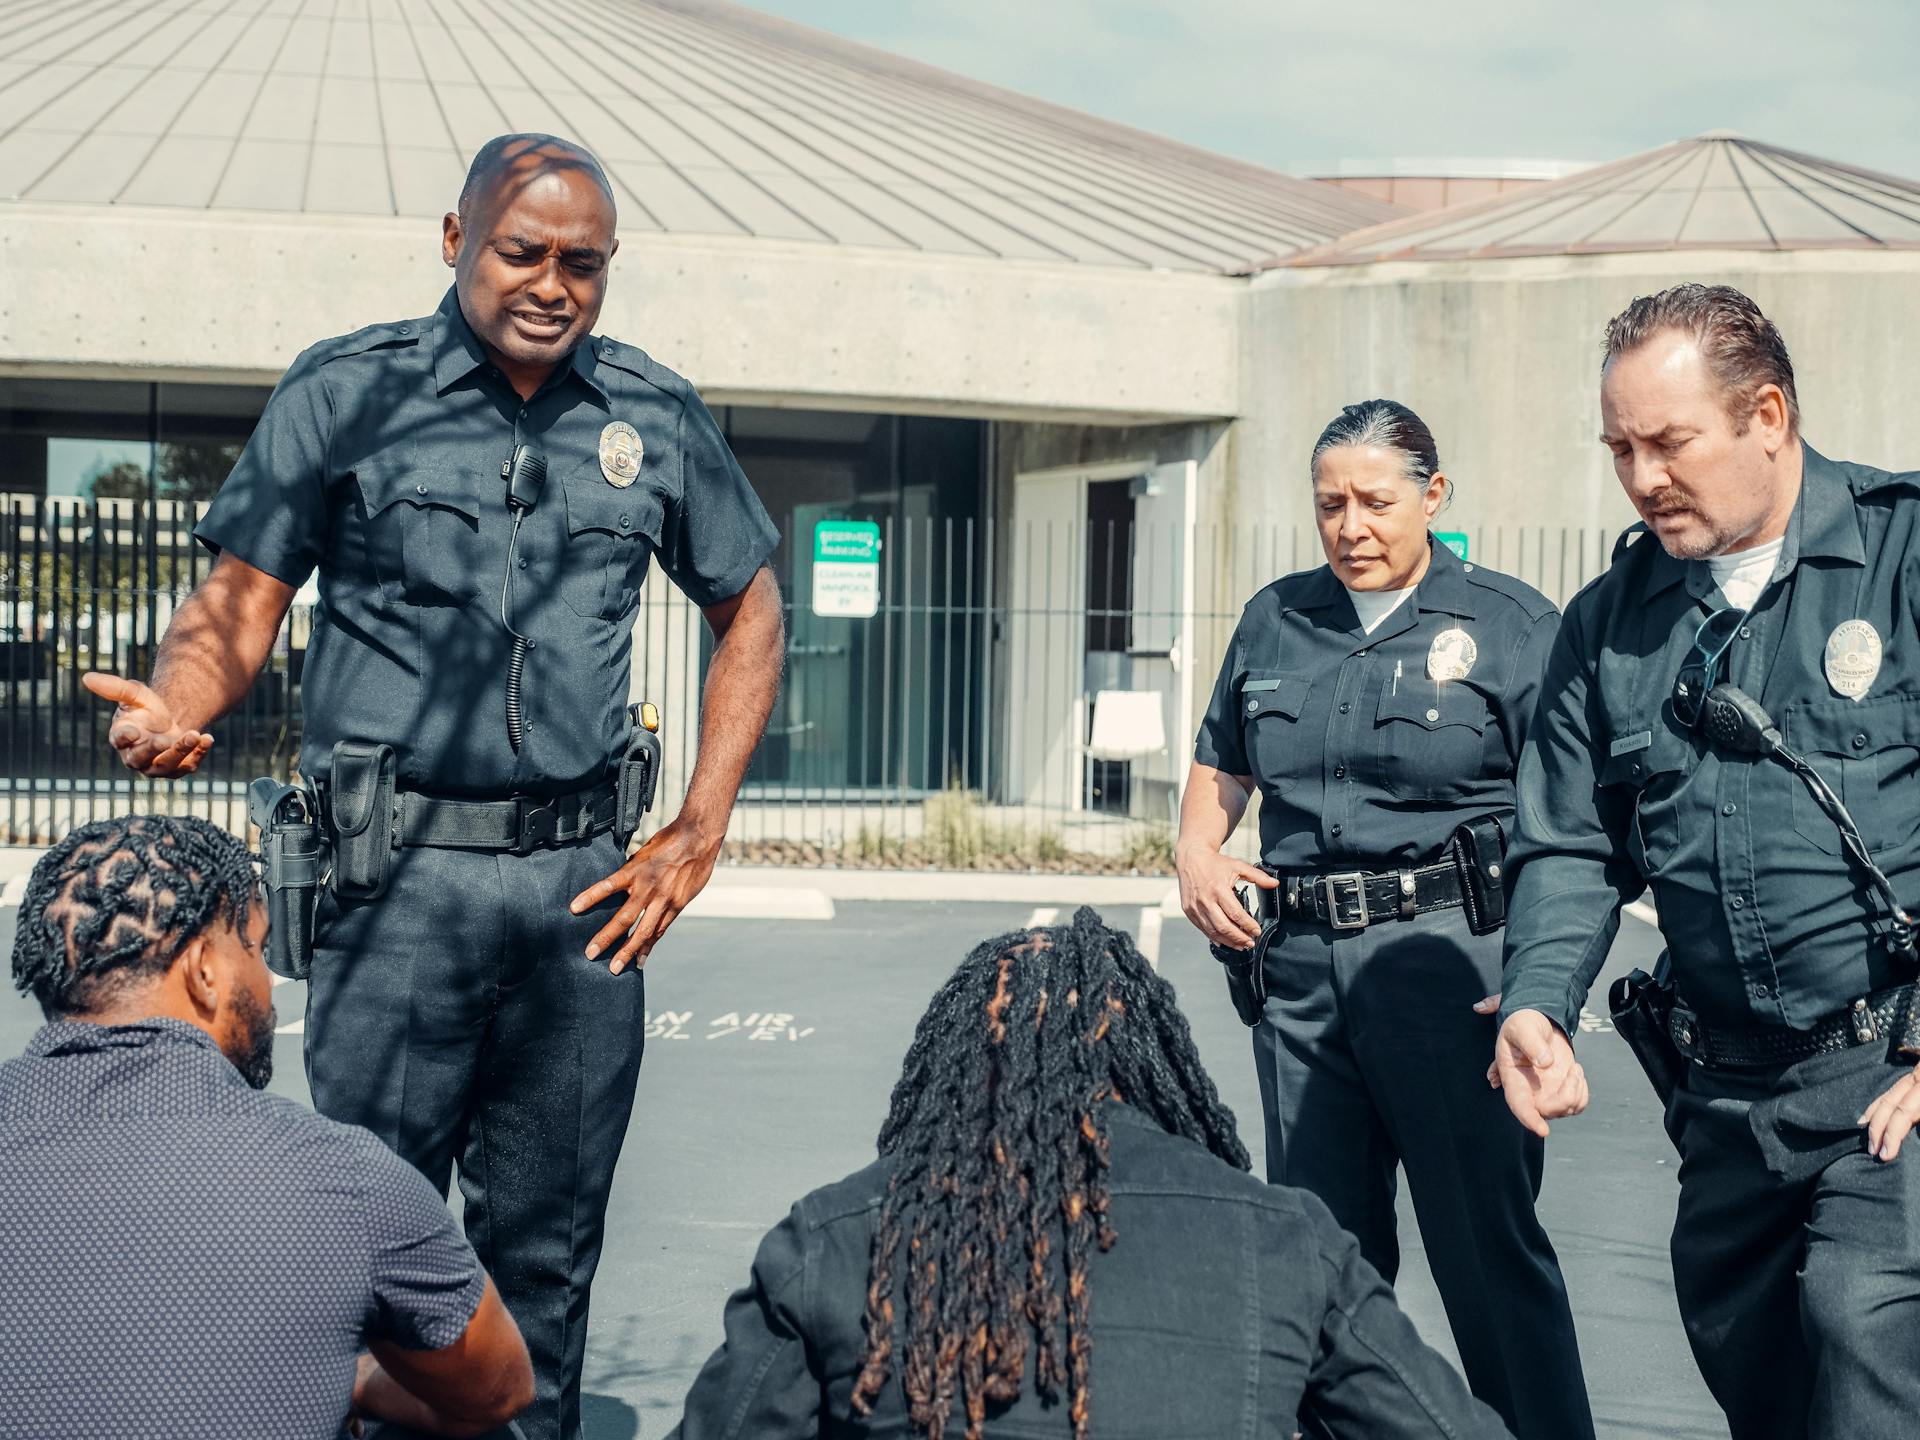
611	535
1648	763
1270	710
1869	752
1429	740
423	532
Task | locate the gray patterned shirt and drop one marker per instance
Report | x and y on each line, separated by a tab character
181	1255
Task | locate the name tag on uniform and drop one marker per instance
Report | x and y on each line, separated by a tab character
1627	744
1259	684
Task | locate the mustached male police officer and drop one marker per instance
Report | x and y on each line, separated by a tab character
1379	703
1796	579
453	1010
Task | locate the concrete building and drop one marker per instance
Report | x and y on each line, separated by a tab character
1071	371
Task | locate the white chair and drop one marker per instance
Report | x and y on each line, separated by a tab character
1130	725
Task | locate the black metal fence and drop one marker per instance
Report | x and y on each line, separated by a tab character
1020	697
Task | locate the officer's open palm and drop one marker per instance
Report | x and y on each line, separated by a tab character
144	733
659	882
1537	1072
1207	881
1890	1117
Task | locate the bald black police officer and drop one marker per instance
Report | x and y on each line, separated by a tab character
478	1003
1796	1248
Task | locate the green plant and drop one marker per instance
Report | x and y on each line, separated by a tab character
1149	847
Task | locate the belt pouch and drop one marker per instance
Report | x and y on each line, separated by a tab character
361	806
639	775
1640	1005
1480	854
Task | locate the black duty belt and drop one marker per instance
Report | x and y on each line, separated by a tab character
1355	899
520	824
1880	1017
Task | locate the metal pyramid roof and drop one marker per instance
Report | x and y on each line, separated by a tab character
710	118
1717	191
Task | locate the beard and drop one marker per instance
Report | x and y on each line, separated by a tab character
1702	539
253	1056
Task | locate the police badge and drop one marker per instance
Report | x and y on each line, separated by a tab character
1852	660
1451	655
620	454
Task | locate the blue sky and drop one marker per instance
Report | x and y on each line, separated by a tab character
1304	86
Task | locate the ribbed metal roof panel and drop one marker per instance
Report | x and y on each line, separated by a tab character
710	118
1716	191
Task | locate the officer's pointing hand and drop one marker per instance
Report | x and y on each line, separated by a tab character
144	732
1536	1069
659	882
1890	1117
1207	880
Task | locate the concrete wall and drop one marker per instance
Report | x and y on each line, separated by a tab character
1501	359
91	291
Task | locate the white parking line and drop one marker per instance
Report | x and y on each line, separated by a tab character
1045	915
13	892
292	1027
1150	923
1644	913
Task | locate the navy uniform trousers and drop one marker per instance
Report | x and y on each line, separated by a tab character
1370	1058
1796	1254
458	1018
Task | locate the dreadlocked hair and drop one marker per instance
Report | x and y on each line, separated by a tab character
118	900
1000	1150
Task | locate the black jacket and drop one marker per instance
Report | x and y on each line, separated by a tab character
1226	1307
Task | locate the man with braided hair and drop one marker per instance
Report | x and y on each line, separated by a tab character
183	1254
1060	1237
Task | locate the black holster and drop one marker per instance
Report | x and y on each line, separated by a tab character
1479	849
1641	1005
293	850
360	810
639	776
1247	972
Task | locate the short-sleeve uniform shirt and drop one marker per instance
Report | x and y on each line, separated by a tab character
183	1255
378	463
1370	749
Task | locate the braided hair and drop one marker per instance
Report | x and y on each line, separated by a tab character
118	900
1000	1149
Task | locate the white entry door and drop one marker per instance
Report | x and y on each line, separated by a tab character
1046	640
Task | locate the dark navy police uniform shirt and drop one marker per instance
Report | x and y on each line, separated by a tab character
182	1255
378	462
1766	921
1363	760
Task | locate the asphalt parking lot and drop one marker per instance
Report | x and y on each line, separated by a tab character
774	1044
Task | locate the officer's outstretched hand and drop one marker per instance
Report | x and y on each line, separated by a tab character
659	882
1207	881
1890	1117
1533	1064
144	733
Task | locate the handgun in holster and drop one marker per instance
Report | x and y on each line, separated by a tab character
293	850
1247	969
1641	1006
639	769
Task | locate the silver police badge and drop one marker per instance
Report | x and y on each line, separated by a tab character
1853	658
1451	655
620	454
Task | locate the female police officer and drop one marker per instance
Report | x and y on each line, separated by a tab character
1379	703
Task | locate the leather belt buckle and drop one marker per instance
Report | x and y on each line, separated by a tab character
1683	1028
1330	888
536	823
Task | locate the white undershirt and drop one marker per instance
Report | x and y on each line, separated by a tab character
1373	606
1742	575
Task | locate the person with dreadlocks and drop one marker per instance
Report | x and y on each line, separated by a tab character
184	1254
1059	1237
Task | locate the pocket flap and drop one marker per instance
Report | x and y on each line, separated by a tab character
1854	728
1274	695
386	480
592	504
1434	706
